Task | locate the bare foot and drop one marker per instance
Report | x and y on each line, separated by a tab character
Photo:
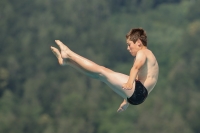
56	52
65	51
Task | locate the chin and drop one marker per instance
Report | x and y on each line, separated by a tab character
133	54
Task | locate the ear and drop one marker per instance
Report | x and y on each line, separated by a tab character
139	43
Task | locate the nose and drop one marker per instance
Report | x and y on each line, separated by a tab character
128	48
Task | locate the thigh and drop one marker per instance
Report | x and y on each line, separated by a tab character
115	81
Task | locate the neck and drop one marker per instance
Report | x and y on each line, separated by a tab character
143	47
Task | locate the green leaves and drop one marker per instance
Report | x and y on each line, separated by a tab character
38	95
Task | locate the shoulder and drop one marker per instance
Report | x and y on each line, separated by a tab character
140	58
141	54
145	52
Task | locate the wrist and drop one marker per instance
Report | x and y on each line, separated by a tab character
129	82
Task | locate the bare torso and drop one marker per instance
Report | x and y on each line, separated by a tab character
148	74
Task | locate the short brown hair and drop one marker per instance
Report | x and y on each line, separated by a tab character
137	33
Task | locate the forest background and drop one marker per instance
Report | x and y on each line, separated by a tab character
39	96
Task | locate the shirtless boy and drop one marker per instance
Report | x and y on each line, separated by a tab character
133	88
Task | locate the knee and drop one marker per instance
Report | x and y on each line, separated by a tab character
99	73
104	71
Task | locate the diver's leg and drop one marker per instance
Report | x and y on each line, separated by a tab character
112	79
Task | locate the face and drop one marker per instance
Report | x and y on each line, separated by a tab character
132	47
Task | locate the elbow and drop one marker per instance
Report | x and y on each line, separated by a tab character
136	68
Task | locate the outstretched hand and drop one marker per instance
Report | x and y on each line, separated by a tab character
127	86
123	106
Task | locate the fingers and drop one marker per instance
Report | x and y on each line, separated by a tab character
126	86
120	110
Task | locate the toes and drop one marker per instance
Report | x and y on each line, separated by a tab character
62	46
59	43
55	51
60	61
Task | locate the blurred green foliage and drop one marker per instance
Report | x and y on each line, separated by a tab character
39	96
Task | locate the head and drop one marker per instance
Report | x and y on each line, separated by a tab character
136	39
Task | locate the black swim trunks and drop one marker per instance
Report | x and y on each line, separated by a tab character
139	95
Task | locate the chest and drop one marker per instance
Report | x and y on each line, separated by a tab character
143	71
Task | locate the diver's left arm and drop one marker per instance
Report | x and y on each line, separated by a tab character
124	105
139	62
